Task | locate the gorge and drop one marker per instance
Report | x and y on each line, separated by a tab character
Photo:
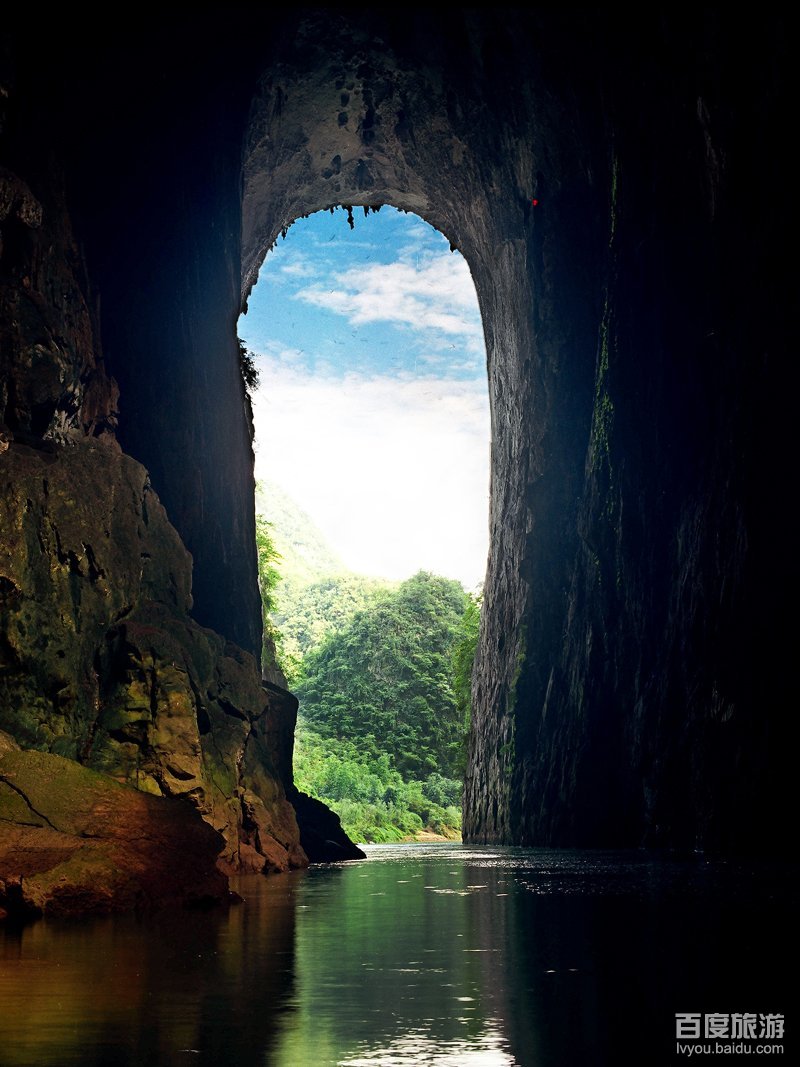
619	185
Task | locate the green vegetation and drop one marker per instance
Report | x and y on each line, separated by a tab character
383	675
268	580
314	593
247	365
305	556
307	613
370	796
385	681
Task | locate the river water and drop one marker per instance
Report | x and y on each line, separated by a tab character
420	954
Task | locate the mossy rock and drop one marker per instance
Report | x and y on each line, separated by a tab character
73	841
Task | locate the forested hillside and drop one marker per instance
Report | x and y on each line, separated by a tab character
305	554
311	591
382	672
385	679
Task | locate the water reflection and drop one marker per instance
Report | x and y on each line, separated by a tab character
419	955
193	987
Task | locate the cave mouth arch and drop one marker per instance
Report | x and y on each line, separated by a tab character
344	118
371	459
576	160
444	116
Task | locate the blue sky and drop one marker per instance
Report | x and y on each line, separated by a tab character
372	410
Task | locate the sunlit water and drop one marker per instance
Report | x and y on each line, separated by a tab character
421	954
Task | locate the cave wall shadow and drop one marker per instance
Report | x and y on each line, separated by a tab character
631	677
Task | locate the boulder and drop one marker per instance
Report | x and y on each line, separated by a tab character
75	842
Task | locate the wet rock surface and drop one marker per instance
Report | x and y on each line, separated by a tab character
73	841
102	664
321	833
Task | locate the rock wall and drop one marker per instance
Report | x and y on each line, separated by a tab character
617	186
646	699
646	705
101	663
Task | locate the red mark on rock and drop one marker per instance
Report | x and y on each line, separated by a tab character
535	202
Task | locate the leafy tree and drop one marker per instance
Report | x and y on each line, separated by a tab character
306	612
268	579
387	674
370	796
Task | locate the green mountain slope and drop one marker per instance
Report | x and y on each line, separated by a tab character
305	554
315	593
382	671
385	679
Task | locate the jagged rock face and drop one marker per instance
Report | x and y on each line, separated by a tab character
50	381
185	714
84	540
75	842
630	683
52	376
101	663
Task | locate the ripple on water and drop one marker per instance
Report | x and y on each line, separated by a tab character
536	963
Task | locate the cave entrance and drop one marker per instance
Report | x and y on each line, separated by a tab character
347	114
372	452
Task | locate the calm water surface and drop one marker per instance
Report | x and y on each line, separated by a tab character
421	954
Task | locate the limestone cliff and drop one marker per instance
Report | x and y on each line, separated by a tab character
102	664
100	661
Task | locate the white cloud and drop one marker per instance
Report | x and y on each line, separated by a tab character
282	353
299	268
394	470
408	293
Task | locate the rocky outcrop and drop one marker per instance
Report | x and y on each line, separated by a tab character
84	540
102	664
184	713
321	833
51	379
74	841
